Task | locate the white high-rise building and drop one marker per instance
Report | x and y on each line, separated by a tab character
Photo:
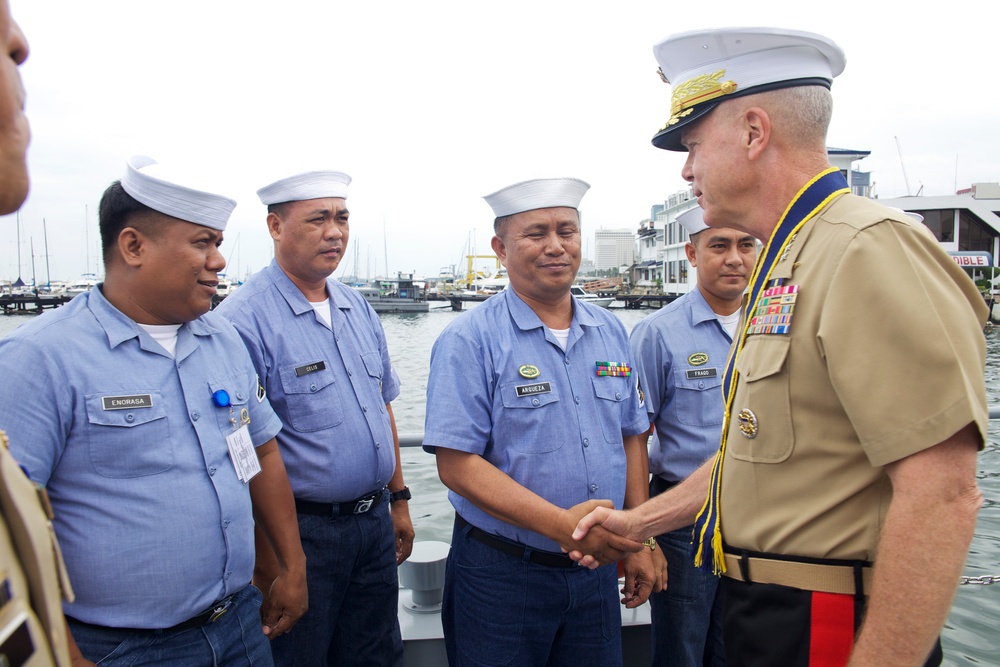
613	248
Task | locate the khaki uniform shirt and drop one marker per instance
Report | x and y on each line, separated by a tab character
885	358
33	577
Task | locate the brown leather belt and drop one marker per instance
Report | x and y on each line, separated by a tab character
796	574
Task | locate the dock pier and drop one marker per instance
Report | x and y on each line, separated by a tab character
25	303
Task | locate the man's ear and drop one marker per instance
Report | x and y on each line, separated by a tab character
499	249
689	251
756	131
274	223
131	246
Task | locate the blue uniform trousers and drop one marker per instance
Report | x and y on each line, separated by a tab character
234	640
500	609
353	594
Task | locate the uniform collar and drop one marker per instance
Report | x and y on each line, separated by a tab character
293	295
119	327
700	310
526	319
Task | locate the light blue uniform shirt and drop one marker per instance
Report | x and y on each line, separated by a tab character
329	384
681	351
153	522
558	433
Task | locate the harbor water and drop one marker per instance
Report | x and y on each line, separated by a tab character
972	633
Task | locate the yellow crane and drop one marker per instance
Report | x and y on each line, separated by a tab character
470	275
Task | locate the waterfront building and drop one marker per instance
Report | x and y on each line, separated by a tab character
613	248
661	264
966	224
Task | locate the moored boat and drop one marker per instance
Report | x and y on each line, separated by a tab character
399	295
592	299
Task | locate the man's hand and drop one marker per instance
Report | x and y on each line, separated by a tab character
402	526
604	520
659	569
76	658
641	578
286	600
286	596
598	544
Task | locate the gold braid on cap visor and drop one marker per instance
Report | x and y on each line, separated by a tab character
693	92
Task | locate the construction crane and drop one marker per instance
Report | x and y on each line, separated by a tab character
470	275
906	179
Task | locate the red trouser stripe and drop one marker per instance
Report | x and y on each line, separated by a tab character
831	629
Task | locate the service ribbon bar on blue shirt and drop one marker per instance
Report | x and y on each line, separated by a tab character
613	368
813	197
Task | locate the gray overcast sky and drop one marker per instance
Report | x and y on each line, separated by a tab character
430	105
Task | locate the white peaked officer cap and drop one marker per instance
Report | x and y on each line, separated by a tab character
150	183
305	186
693	220
706	67
537	193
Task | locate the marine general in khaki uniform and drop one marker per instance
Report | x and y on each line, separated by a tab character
843	500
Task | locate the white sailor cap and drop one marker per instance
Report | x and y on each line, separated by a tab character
537	193
149	183
693	220
305	186
706	67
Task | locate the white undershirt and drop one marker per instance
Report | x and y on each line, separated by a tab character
164	334
322	309
562	337
729	322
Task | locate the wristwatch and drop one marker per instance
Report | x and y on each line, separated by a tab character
650	542
402	494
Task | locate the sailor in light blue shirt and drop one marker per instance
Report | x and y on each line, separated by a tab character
535	417
680	352
331	381
152	518
321	353
141	414
538	413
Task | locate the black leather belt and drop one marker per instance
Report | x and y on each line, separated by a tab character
333	510
211	615
516	549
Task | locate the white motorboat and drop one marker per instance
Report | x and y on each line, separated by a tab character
592	299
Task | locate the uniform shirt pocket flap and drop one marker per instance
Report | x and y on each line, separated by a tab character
529	395
295	381
611	388
768	358
373	364
127	411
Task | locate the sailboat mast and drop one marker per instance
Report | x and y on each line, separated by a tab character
86	232
45	236
19	245
385	248
34	283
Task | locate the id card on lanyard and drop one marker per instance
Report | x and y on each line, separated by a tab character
241	450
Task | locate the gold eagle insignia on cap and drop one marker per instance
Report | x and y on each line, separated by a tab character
689	94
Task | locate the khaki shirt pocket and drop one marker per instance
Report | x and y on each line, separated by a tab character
763	395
